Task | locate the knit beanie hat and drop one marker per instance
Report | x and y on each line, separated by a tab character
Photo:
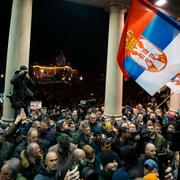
109	157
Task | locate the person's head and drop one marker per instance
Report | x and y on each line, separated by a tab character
98	115
33	150
90	153
157	127
108	126
36	124
170	127
176	159
86	130
123	133
132	128
32	135
62	125
74	115
23	71
2	135
10	169
64	145
105	145
149	122
23	67
152	116
140	116
151	130
125	125
128	155
150	151
97	134
78	154
51	161
92	118
150	166
110	161
72	126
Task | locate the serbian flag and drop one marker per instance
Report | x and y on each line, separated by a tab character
149	50
174	84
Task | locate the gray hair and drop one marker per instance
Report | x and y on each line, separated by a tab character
13	166
30	148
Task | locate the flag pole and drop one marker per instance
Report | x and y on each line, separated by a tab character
165	100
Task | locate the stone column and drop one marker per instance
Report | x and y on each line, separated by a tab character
174	102
114	76
18	48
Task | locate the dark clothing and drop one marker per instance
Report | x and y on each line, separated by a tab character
6	150
29	169
43	174
20	90
19	148
105	175
21	93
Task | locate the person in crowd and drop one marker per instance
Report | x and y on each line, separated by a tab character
131	164
140	122
31	158
150	170
96	140
175	165
150	152
108	130
94	124
86	136
48	169
168	131
104	147
157	128
155	138
22	95
110	163
63	129
32	136
6	148
122	139
90	155
64	150
11	170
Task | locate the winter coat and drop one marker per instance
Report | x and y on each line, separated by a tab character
29	169
105	175
6	150
21	92
43	174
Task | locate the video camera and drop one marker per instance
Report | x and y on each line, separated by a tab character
85	104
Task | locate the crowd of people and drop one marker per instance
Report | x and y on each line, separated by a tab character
74	140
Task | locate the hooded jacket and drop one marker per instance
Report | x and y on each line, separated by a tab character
43	174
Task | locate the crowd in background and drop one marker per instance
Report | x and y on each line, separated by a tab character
69	137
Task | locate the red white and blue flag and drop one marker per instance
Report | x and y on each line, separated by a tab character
149	50
174	84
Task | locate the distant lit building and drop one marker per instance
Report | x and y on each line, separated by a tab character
61	71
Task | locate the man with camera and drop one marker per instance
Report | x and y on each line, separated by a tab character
21	93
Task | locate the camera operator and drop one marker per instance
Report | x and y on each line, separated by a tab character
21	93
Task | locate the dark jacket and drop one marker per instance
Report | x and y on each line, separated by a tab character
19	148
43	174
29	169
105	175
21	90
6	150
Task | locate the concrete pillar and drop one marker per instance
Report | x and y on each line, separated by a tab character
174	102
18	47
114	76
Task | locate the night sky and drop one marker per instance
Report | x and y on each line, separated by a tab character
80	31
